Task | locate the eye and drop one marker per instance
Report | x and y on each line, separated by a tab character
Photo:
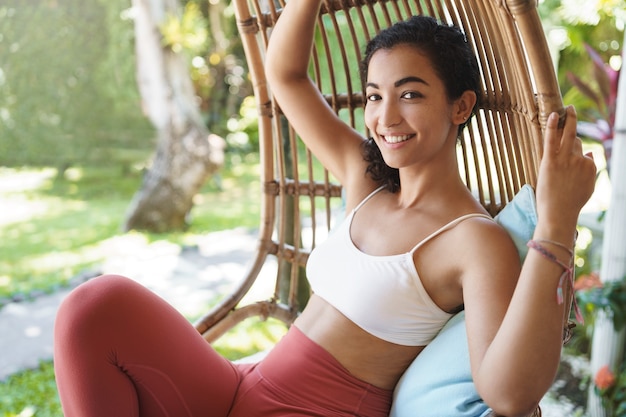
412	95
373	97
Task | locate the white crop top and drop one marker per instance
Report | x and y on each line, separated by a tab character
381	294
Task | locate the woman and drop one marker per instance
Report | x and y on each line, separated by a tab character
384	283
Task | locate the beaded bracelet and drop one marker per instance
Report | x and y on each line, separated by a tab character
568	271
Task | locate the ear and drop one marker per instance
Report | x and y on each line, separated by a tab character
462	108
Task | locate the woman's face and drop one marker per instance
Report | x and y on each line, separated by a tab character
407	110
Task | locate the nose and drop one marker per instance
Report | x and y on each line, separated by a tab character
389	114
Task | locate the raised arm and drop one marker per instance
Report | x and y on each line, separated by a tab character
517	367
331	140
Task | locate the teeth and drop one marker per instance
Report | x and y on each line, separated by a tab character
397	139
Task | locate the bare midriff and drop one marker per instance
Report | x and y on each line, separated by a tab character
365	356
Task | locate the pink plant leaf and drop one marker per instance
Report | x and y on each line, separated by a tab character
585	89
599	130
600	71
612	99
614	79
594	55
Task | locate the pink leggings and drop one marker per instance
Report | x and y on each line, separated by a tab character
120	350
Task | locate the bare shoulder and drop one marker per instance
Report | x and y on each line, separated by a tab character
489	266
469	263
484	233
490	252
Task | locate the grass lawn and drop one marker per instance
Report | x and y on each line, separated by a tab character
52	229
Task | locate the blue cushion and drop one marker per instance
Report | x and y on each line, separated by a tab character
519	218
439	381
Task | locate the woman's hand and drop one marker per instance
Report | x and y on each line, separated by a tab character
566	177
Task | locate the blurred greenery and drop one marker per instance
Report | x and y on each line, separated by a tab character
31	393
68	88
569	26
54	228
65	69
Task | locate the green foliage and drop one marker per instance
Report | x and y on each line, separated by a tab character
610	297
67	69
186	32
599	24
30	393
243	136
604	95
611	388
219	70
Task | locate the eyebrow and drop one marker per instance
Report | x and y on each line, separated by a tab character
411	79
402	81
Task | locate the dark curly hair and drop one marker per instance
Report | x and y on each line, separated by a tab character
452	59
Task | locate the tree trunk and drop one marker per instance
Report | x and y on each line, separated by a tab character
186	153
608	345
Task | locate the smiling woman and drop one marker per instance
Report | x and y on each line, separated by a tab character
383	284
415	100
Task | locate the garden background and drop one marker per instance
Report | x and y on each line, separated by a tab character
77	140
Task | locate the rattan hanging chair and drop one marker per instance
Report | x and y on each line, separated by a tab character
498	154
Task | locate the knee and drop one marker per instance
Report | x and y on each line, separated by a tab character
92	304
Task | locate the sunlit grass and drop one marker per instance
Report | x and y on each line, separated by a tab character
52	229
31	393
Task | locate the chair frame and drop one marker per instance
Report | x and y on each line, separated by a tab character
498	154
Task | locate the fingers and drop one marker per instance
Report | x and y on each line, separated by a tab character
551	137
577	146
568	137
560	141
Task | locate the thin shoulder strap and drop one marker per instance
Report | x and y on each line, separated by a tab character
367	198
448	227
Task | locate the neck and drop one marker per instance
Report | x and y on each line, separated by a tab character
432	179
437	188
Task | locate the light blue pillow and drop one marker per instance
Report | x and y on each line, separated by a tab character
519	218
439	381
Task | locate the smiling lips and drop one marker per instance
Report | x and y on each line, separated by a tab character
396	139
